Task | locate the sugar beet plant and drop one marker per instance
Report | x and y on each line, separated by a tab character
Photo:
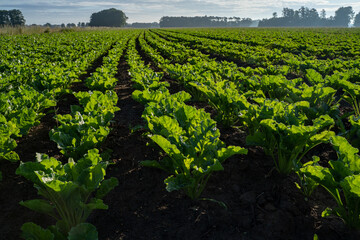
70	192
225	99
341	180
190	140
86	127
283	134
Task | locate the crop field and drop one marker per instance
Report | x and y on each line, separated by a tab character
180	134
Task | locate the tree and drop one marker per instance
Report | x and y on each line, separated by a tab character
4	18
302	12
343	16
274	14
288	13
203	21
323	14
108	18
357	20
16	17
313	15
12	17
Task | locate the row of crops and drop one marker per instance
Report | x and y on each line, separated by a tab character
288	91
47	66
287	118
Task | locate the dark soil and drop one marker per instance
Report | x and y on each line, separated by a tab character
261	204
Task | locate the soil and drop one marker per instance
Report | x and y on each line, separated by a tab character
261	204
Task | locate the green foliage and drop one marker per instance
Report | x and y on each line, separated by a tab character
11	18
85	128
7	144
353	134
351	90
148	95
33	231
223	96
342	177
104	77
78	133
83	231
321	101
101	81
142	76
307	185
67	191
285	137
108	18
191	142
36	69
98	103
25	108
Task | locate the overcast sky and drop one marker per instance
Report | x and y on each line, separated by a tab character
74	11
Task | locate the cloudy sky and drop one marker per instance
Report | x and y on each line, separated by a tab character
74	11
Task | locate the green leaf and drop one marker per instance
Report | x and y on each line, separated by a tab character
39	205
351	184
166	145
57	234
314	77
32	231
106	186
347	153
177	182
83	231
151	163
225	153
96	203
321	175
11	156
28	170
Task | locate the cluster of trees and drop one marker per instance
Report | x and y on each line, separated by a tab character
144	25
63	25
108	18
11	18
205	21
305	17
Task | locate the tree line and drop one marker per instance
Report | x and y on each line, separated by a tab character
305	17
204	21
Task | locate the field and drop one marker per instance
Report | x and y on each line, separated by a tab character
180	134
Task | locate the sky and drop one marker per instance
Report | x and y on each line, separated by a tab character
74	11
